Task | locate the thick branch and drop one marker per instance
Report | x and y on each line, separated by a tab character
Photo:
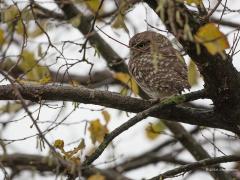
198	165
116	101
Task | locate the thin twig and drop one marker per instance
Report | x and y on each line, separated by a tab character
213	10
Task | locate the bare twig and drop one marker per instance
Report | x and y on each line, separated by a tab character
213	10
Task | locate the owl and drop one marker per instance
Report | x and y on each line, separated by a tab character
158	68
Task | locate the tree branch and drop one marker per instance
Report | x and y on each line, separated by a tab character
197	151
114	100
47	164
96	79
197	165
145	158
103	98
139	117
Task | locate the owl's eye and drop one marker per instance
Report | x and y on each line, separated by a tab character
141	45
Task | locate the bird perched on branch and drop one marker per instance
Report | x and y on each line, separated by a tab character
158	68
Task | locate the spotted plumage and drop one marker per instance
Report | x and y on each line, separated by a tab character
156	66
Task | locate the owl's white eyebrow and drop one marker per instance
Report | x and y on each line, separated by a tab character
137	43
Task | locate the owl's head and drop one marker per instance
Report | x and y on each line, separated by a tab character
147	42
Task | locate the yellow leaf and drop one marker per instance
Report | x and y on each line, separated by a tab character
33	70
28	60
1	37
72	153
10	108
197	2
212	38
124	91
36	32
82	144
26	14
45	80
192	73
153	130
8	64
10	13
97	131
59	144
20	28
75	160
96	177
106	116
75	21
119	22
39	50
93	5
126	79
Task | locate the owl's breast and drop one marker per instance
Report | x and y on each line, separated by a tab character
141	68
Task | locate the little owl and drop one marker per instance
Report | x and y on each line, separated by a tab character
158	68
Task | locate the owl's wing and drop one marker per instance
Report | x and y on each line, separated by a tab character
174	63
